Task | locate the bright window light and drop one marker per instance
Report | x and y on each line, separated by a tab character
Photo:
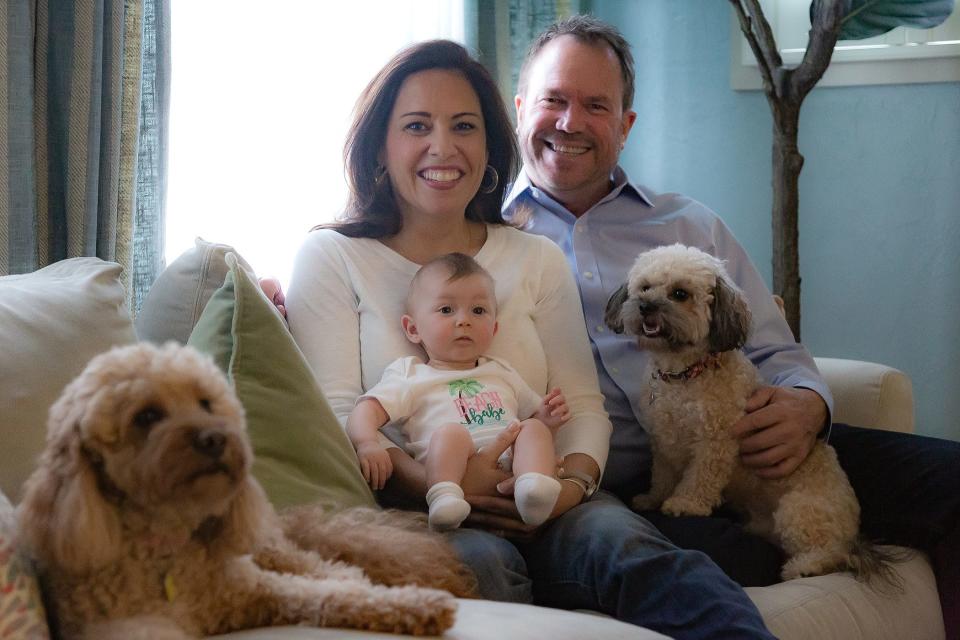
261	97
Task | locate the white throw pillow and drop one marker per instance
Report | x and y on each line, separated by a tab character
181	291
52	321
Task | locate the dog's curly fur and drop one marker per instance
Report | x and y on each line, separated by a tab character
683	308
143	509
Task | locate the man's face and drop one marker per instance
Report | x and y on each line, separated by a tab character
571	122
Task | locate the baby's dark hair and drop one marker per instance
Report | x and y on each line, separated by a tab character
458	265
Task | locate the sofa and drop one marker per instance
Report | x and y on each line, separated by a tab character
53	320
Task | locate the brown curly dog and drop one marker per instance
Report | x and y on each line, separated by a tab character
143	514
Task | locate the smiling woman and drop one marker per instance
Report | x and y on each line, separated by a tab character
260	103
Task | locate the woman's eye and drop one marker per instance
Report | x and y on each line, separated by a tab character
464	126
148	416
416	127
679	295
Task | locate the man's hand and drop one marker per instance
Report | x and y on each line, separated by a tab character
779	429
272	289
375	464
553	411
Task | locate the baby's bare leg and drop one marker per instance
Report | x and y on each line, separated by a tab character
450	448
534	465
534	450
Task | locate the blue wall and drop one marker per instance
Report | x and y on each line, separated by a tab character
879	193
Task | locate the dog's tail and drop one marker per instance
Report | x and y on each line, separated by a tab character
873	564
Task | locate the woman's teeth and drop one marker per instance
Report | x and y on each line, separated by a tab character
441	175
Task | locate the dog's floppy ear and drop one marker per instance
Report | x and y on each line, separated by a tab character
613	317
63	519
730	321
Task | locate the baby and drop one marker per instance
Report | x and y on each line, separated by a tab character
458	400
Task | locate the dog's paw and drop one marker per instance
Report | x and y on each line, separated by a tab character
416	611
646	502
685	506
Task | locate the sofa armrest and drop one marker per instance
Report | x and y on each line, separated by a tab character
867	394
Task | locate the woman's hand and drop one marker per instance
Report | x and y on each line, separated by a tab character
483	471
272	289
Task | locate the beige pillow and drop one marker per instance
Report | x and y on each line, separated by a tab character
181	291
52	321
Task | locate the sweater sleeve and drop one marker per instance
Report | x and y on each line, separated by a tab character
321	299
558	317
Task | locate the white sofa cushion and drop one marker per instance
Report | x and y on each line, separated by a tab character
52	321
868	394
837	607
484	620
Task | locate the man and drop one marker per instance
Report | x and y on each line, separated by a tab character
574	114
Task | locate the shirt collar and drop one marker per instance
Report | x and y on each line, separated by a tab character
621	182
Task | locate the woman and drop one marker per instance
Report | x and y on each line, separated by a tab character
428	157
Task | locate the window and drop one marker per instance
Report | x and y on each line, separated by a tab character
899	56
260	103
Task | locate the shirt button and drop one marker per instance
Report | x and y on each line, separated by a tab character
615	370
600	328
588	275
579	229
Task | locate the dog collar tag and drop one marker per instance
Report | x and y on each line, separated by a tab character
169	588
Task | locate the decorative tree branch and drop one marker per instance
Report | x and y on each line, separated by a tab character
786	89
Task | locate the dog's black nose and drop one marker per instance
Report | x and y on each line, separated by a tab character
209	443
647	306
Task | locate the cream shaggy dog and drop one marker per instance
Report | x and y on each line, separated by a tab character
684	309
143	516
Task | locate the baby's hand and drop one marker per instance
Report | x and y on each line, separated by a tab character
375	464
553	411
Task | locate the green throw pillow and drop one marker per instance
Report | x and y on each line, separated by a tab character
301	453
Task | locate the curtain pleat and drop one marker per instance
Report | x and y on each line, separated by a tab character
70	134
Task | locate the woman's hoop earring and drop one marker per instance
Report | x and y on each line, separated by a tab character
494	180
380	176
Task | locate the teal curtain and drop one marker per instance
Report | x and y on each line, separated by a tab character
83	123
499	32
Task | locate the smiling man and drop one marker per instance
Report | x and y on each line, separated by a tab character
574	113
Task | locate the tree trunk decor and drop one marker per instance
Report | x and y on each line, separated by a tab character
786	88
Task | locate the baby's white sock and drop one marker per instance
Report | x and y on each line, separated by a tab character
535	495
447	506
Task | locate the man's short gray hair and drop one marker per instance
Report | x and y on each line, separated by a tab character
592	31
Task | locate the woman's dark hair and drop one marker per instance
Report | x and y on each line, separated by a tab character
372	210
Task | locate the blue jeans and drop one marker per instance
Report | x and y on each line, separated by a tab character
602	556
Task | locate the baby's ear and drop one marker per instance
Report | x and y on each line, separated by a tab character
410	329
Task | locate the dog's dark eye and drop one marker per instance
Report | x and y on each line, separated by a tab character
205	405
148	416
679	295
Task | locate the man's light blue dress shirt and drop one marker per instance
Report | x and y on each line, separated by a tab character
601	246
